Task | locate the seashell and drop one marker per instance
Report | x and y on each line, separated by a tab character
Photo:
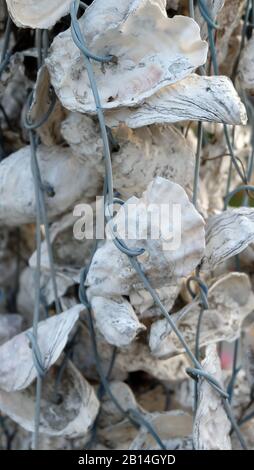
212	99
169	49
110	272
70	414
227	234
143	303
174	428
116	320
245	68
17	367
151	151
110	414
10	325
34	14
230	300
212	427
59	170
247	342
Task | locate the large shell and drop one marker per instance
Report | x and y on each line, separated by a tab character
152	51
230	300
59	170
70	414
17	370
227	234
33	14
211	426
111	273
212	99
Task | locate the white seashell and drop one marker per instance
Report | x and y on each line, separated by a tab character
33	14
212	99
142	154
152	51
227	234
10	325
173	427
72	417
247	342
110	272
143	303
110	414
211	425
17	370
116	320
59	169
245	68
230	300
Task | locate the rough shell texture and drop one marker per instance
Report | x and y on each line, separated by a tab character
144	305
116	320
246	66
140	155
227	234
230	301
152	51
248	352
59	170
212	99
10	325
42	15
71	416
167	255
211	426
17	369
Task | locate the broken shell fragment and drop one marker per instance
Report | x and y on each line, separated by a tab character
212	99
169	49
144	305
212	427
230	301
17	369
34	14
167	256
116	320
67	410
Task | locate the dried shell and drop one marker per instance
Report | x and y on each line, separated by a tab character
10	325
212	99
227	234
143	302
168	50
230	300
211	426
34	14
248	352
17	369
246	67
111	273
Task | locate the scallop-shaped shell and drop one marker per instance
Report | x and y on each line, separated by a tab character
212	99
246	67
71	413
230	300
152	51
138	155
67	177
17	370
173	242
41	14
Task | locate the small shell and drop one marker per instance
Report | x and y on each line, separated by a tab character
142	155
230	300
116	320
212	99
152	51
59	170
211	426
111	273
33	14
227	234
248	352
17	370
246	67
143	304
70	414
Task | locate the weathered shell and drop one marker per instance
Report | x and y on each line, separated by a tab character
10	325
230	300
247	342
211	426
111	273
59	170
212	99
33	14
152	51
116	320
17	370
227	234
140	154
144	305
71	413
246	67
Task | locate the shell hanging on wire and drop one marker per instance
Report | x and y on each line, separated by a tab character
41	14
